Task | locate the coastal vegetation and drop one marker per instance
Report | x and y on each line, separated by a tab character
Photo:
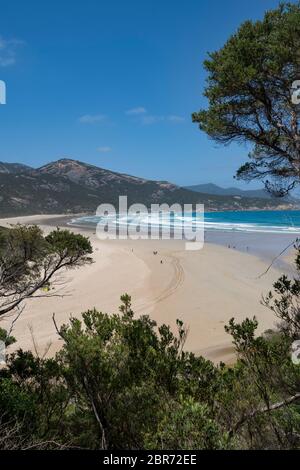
123	382
30	263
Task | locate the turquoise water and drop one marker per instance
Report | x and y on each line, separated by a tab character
254	221
251	221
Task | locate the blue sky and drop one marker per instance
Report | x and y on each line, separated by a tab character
114	83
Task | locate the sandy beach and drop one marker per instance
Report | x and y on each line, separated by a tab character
203	288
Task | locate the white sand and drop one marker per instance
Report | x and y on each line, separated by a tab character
203	288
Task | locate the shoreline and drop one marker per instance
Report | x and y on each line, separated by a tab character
204	289
266	246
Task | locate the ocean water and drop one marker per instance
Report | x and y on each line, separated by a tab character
254	221
276	222
266	234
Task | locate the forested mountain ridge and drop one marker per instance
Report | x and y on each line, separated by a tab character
71	186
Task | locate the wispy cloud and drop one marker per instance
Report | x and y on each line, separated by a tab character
154	119
8	51
141	114
104	149
136	111
151	119
175	118
92	118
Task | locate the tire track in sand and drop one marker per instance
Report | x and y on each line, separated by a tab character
176	281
